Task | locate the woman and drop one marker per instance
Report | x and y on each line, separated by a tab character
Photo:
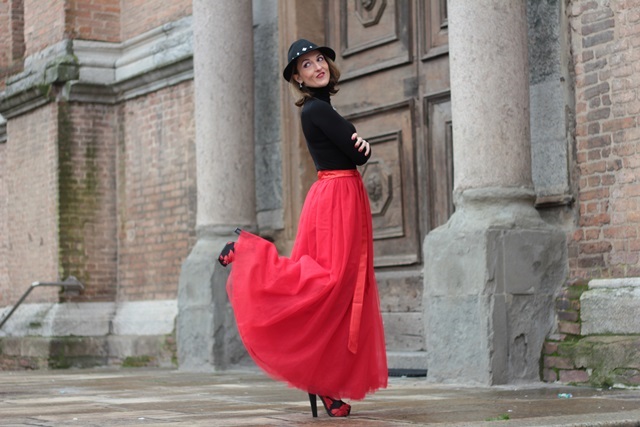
313	319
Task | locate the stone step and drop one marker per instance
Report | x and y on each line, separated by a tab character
611	306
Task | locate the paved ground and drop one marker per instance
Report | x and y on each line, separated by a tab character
158	397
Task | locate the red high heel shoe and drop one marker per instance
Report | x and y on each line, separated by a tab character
334	407
228	253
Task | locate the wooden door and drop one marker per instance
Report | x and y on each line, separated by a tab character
393	56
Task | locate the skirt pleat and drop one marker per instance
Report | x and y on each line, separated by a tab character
294	314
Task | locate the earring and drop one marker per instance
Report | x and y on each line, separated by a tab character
300	84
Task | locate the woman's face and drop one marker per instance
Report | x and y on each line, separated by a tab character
312	70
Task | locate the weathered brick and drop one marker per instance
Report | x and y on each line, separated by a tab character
597	26
549	375
587	55
598	141
597	15
597	39
595	66
139	16
599	114
573	376
571	328
596	194
618	124
591	262
596	90
558	362
595	103
550	347
569	316
595	248
592	234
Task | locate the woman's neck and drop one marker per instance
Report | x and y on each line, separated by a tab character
321	93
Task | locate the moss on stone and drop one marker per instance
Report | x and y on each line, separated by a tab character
78	182
501	417
137	361
575	291
59	362
171	348
44	90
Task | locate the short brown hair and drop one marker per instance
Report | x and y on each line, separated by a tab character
303	93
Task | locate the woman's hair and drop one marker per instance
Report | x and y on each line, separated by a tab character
303	93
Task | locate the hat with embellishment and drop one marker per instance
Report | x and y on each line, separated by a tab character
300	47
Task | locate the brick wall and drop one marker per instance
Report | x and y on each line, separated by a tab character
557	364
12	40
157	192
17	29
94	20
606	54
44	24
87	198
104	193
30	157
5	30
139	16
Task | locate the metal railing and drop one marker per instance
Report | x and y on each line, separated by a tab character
71	283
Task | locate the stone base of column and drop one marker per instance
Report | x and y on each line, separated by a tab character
207	337
490	277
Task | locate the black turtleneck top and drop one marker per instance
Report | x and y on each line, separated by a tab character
328	134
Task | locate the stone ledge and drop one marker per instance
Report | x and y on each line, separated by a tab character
102	72
85	352
625	282
135	318
407	360
611	307
145	317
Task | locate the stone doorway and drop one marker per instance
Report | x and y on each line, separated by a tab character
393	55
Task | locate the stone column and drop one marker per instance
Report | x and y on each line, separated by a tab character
492	270
223	87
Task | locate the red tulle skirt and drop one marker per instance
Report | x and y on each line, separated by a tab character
313	320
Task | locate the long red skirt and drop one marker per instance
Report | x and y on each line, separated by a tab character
313	320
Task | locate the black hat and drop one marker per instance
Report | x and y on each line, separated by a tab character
300	47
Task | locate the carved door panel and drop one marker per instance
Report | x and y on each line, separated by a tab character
394	88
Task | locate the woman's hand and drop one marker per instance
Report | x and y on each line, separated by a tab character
361	144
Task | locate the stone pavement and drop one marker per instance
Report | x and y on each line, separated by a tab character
157	397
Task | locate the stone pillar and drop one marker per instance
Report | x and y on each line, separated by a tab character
492	270
223	86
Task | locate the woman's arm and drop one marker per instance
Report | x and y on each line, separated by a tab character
340	132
